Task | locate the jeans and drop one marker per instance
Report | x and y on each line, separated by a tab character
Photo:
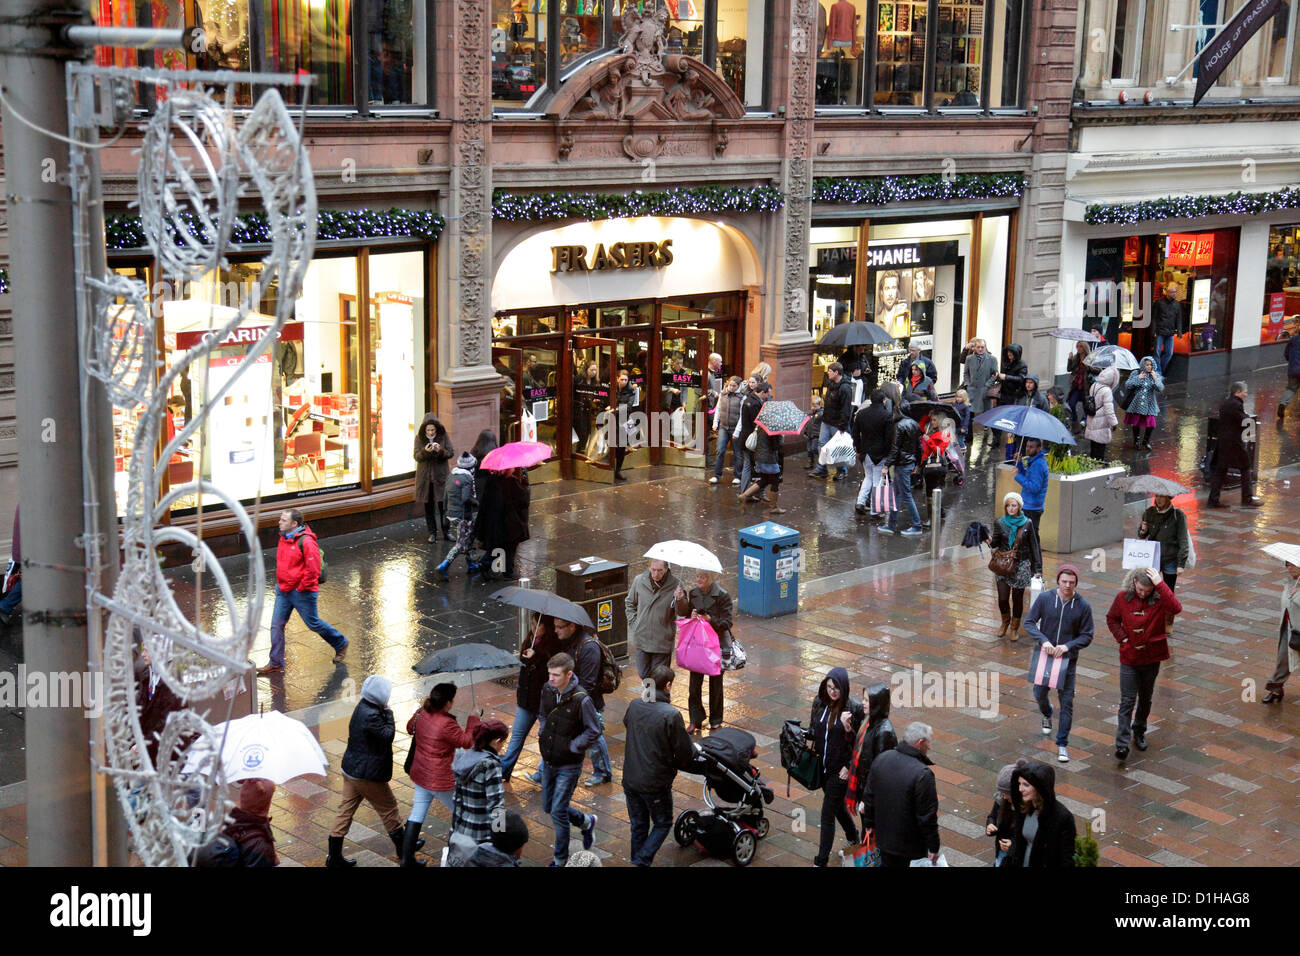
834	808
524	720
1292	386
423	799
869	480
13	600
903	491
599	751
1136	684
643	809
1169	571
1035	515
725	438
1065	694
558	784
304	602
746	467
1164	351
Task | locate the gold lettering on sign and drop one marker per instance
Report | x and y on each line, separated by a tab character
619	255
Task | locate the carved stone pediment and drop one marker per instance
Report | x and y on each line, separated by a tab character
619	88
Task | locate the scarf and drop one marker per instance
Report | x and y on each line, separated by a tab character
1014	524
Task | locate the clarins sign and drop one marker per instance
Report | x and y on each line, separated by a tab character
618	255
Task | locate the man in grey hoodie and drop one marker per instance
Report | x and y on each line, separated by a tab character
1061	622
651	606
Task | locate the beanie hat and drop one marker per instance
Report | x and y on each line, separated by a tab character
1004	778
255	796
1013	496
376	688
1070	568
467	461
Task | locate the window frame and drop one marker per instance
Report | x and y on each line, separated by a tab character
1139	39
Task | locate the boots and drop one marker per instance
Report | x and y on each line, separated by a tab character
442	569
398	836
775	507
336	857
1006	623
409	837
746	496
1015	629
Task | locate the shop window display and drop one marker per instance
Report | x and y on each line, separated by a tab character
518	51
1281	311
740	48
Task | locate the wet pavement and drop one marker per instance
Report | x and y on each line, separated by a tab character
1217	787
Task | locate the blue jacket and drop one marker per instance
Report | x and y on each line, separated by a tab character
1292	354
1050	617
1031	473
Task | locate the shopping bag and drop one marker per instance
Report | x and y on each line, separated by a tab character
885	499
1139	553
738	659
859	387
698	648
1046	670
1191	552
838	451
866	853
925	861
527	426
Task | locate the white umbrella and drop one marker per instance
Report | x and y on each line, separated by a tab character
686	553
1286	552
270	746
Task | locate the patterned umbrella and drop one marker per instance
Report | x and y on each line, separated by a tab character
1147	485
781	418
1074	335
1108	355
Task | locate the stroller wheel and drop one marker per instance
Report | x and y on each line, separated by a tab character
764	827
743	847
687	827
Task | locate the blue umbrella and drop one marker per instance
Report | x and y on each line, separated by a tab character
1027	422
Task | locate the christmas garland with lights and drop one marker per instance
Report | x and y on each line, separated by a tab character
1193	207
126	232
674	201
883	190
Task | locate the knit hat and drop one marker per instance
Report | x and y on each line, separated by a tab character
1004	778
583	858
255	796
1013	496
467	461
1070	568
377	688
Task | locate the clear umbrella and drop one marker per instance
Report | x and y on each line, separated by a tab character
1108	355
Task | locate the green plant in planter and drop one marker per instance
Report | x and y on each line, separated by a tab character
1086	851
1059	463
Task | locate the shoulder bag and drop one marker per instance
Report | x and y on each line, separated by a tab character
1004	561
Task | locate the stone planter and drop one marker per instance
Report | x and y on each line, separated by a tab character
1080	511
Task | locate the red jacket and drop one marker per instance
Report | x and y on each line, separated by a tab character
1139	626
297	568
436	738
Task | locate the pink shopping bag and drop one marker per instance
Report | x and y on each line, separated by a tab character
1046	670
698	648
885	501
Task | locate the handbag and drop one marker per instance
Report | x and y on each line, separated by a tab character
798	761
410	758
994	390
1126	398
751	443
737	659
883	495
1004	561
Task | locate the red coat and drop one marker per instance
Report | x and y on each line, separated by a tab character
436	738
1139	626
297	568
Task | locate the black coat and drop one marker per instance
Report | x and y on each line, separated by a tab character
907	443
749	409
837	399
1016	371
1054	843
1231	451
873	431
1168	318
533	674
901	803
503	511
369	755
877	736
715	604
830	740
657	745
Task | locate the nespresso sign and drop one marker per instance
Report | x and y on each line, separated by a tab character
618	255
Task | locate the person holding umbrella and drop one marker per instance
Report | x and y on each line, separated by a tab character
1288	635
1164	523
768	460
1144	383
1031	476
651	619
1078	369
709	602
538	648
1137	619
502	522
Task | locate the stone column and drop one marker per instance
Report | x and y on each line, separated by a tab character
467	388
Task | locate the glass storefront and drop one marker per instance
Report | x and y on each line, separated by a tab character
1280	316
1127	275
332	406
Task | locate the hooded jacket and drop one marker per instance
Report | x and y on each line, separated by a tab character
479	792
873	431
488	855
905	369
901	803
877	736
920	391
1144	398
837	402
1031	476
1138	624
297	560
831	741
1053	621
369	754
1099	426
1230	451
1036	398
1053	844
460	487
569	725
1016	371
657	745
431	468
436	739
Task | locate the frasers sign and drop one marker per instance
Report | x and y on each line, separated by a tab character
619	255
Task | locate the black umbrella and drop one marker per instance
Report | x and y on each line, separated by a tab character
853	333
465	657
543	602
919	410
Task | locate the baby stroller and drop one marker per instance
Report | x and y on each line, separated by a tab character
734	793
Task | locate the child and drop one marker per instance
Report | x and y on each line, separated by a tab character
934	467
961	405
812	431
1001	822
461	508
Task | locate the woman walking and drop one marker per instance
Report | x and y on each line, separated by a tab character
480	794
1137	619
1288	635
836	718
725	419
432	452
1145	382
707	601
435	737
503	522
1100	425
1078	370
1166	524
1044	827
367	769
768	461
1014	531
877	736
539	646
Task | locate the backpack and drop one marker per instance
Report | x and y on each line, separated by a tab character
611	675
1090	404
799	762
320	578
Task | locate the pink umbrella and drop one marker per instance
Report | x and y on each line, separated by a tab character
516	454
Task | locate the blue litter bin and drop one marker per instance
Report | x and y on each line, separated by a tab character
769	570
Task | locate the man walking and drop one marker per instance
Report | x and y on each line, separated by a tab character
297	578
901	803
1167	322
651	606
872	437
580	644
1231	449
903	457
1137	618
657	747
837	404
569	727
1061	622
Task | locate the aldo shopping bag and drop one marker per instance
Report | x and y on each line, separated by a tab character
698	648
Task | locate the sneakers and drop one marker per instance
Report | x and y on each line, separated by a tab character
886	529
535	776
1139	740
1253	503
589	832
912	533
713	479
1062	755
735	482
341	654
596	780
1047	726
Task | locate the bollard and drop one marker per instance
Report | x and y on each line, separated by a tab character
936	519
523	615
